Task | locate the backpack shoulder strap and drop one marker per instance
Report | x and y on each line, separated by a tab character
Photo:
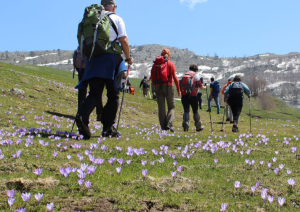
112	24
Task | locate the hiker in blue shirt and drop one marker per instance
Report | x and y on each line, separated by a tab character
213	95
235	92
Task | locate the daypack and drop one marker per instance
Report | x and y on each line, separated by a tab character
146	83
159	71
93	31
131	89
236	90
186	83
78	59
216	87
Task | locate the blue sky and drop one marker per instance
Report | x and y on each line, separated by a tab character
225	27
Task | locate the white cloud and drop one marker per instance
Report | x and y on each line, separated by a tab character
192	3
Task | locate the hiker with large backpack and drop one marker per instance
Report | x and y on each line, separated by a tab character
189	84
228	112
79	66
235	92
146	86
102	38
162	75
214	94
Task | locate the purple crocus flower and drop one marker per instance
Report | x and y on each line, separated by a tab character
152	163
274	159
223	207
91	170
216	161
253	188
276	170
21	210
144	162
261	162
173	174
288	172
291	182
11	193
257	184
179	169
144	172
88	184
118	169
69	157
264	193
270	199
121	161
10	201
281	201
38	197
269	165
237	184
175	163
281	166
38	172
50	207
81	174
55	154
80	182
26	197
128	161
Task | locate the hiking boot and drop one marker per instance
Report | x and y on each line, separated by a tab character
231	122
186	128
98	117
235	128
82	128
198	129
111	133
218	112
208	111
228	119
170	129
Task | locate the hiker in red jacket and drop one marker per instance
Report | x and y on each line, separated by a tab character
165	92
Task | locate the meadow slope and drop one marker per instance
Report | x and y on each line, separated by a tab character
39	154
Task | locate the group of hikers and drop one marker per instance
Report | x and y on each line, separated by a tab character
99	70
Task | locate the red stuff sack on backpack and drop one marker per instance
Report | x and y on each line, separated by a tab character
159	72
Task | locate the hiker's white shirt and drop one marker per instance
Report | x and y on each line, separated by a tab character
120	27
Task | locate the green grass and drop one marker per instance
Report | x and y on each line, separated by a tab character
50	102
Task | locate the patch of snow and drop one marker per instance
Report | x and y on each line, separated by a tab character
64	62
215	68
18	61
30	58
276	84
204	68
264	55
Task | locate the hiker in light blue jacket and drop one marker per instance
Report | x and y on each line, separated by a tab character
235	92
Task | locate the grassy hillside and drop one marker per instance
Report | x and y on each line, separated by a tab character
35	133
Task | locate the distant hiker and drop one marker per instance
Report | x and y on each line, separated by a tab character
162	75
79	66
235	92
131	90
103	70
228	112
214	94
146	86
189	85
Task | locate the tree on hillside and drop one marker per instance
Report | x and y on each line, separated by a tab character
256	84
32	54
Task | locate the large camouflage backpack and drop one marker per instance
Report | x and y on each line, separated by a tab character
93	31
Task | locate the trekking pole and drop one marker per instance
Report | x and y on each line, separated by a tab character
250	111
74	123
124	84
209	113
222	129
